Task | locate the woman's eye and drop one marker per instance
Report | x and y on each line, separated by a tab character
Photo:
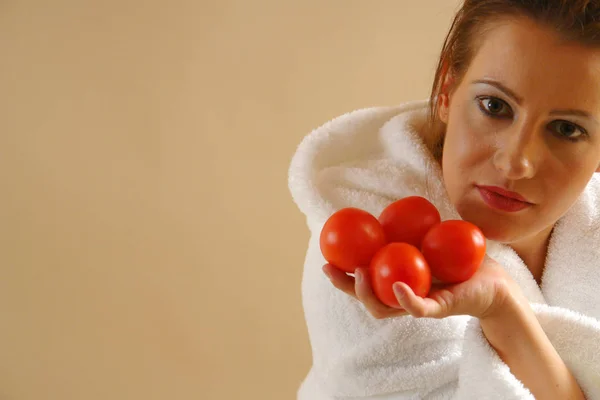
567	130
494	107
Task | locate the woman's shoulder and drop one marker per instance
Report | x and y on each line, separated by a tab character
365	159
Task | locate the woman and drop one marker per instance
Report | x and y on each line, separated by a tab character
510	141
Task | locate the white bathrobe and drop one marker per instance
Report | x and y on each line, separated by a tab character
370	158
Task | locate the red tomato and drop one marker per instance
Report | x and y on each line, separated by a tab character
454	250
350	238
408	220
399	262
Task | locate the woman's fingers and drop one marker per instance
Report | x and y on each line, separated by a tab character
435	306
340	279
364	292
360	289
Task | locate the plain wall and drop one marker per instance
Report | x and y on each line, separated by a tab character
149	247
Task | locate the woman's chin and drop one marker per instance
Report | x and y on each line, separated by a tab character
495	229
499	236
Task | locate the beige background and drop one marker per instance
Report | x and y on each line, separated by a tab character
149	247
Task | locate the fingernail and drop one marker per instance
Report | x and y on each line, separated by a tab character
398	291
359	276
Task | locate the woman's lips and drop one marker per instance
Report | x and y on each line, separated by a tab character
502	199
505	193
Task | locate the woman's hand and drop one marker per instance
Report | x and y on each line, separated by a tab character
359	287
481	296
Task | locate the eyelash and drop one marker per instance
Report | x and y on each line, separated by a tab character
479	99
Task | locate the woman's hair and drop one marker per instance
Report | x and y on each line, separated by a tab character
576	21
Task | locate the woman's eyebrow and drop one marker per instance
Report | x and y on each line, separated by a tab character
500	87
519	100
579	113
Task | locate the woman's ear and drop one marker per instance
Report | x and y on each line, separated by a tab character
443	107
445	93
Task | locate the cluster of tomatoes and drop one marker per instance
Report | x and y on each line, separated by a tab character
407	243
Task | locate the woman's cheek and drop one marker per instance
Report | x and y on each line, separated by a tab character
468	141
471	137
483	130
477	121
470	148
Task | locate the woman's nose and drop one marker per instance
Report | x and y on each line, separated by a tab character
516	155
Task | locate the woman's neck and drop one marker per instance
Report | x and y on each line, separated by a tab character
533	252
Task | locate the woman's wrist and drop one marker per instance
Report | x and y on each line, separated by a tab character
509	316
514	332
508	299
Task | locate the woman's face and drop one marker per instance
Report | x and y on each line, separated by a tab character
523	131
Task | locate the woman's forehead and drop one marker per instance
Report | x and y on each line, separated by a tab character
533	61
